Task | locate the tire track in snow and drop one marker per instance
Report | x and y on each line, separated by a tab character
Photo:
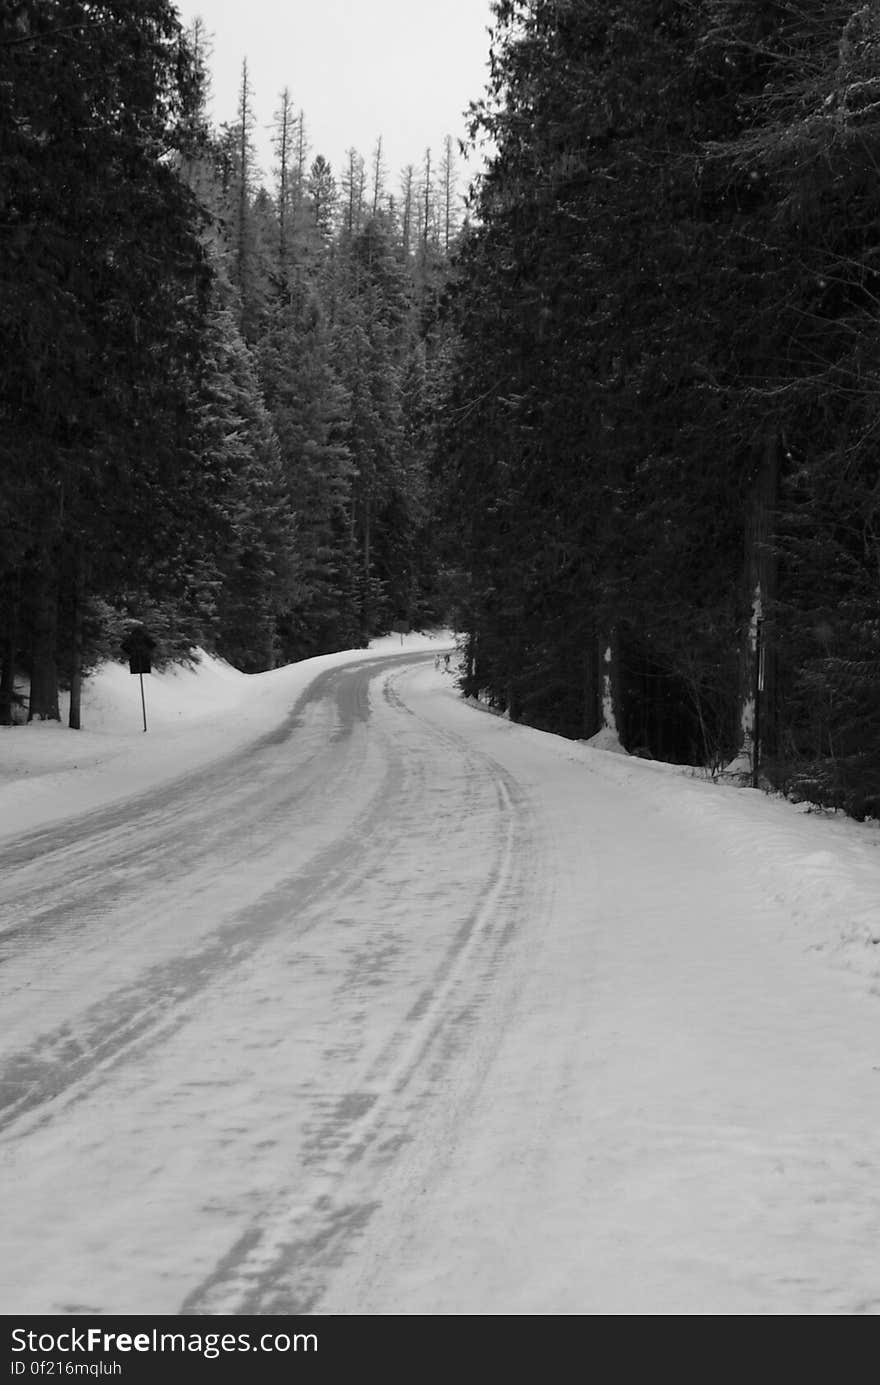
70	1059
187	791
134	837
282	1263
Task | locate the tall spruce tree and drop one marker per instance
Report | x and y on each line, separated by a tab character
660	415
308	406
103	284
255	536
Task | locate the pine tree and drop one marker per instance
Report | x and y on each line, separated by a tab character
378	174
309	411
449	211
285	141
373	336
246	268
103	283
254	536
323	195
587	106
354	182
407	206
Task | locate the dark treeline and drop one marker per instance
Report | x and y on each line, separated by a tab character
632	453
663	424
219	394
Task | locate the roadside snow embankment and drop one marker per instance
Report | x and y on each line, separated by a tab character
195	714
822	868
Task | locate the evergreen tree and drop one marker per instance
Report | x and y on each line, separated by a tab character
378	174
309	411
323	195
103	282
289	190
354	186
666	310
247	465
373	340
255	530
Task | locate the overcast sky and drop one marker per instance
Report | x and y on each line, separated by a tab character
402	69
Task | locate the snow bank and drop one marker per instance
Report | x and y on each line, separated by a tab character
195	714
606	739
823	868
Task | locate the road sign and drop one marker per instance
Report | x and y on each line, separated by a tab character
138	647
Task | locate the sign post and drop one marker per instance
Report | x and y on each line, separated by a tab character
138	647
400	628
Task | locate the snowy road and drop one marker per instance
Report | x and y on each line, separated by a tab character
402	1009
228	1006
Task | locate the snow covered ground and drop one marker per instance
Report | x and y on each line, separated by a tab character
195	714
385	1005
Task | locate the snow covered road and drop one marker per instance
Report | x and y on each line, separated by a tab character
402	1009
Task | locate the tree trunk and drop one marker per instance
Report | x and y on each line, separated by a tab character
367	556
10	649
285	117
514	698
592	689
756	650
470	685
76	662
609	682
602	710
43	704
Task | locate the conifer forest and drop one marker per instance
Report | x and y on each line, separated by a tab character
612	411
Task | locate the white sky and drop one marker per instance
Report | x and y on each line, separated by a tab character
402	69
